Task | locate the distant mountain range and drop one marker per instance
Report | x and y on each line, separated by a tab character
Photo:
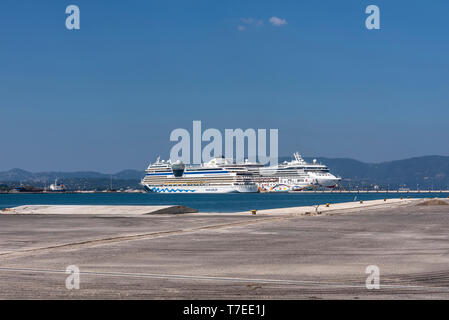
22	175
84	180
420	172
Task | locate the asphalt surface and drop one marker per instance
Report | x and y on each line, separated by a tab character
229	256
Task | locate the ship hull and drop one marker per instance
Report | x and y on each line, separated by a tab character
328	183
202	189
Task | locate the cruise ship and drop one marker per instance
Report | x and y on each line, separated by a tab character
295	175
221	175
212	177
317	171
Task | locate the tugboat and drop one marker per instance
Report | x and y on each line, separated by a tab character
57	187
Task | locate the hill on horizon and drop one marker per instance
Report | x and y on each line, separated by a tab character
418	172
415	173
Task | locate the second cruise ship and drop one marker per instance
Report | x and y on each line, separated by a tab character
294	175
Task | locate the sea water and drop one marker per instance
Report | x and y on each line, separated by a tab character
204	202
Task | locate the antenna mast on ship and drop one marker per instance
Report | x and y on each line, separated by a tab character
297	156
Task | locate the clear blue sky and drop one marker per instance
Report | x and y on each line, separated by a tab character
106	97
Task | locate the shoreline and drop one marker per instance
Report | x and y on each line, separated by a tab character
225	204
143	210
283	192
325	208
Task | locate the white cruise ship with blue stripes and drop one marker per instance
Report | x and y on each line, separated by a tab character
211	177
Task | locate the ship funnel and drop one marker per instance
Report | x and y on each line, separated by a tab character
178	168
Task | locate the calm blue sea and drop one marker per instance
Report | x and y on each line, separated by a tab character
204	202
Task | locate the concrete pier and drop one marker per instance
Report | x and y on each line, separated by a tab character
294	253
122	211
